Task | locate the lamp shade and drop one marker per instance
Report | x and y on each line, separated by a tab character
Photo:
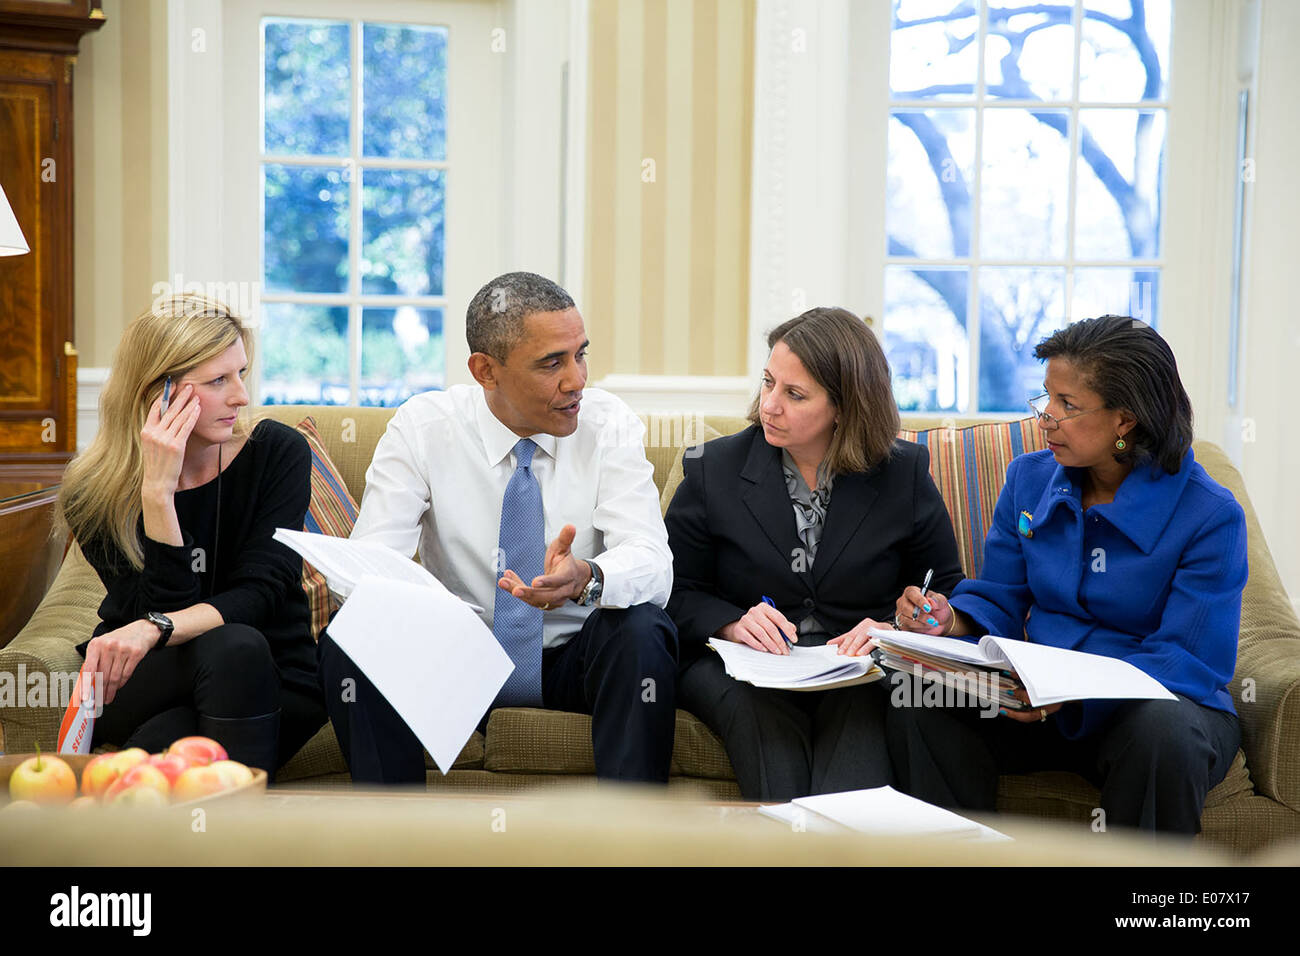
12	242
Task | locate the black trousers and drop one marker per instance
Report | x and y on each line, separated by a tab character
225	672
1153	760
786	743
619	668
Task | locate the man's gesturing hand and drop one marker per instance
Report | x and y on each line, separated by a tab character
563	576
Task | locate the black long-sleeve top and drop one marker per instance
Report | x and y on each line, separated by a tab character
237	567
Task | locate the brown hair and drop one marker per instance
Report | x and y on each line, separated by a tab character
843	356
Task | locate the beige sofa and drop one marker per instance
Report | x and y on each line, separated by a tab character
1257	804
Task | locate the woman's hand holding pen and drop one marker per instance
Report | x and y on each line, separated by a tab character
933	613
163	441
761	628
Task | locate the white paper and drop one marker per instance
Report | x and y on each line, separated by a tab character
804	668
883	811
344	562
1052	675
429	654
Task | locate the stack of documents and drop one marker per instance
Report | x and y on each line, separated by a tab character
1049	675
804	668
426	650
882	811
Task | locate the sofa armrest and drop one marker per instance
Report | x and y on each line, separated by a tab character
1266	691
39	666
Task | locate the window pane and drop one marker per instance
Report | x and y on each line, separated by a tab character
303	350
404	112
1120	174
305	238
1029	55
1025	184
1018	308
933	59
1134	292
306	101
931	175
401	354
925	337
402	231
1124	51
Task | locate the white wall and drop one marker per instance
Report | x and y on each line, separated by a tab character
1270	354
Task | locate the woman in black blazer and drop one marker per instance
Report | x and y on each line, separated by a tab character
818	506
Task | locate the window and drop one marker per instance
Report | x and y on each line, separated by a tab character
354	175
1026	158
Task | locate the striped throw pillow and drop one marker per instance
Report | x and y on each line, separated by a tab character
969	465
332	511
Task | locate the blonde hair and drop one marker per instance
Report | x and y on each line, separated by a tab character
100	494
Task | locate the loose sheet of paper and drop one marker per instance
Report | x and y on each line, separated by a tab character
429	655
886	812
344	561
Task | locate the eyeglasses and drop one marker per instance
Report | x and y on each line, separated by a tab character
1038	406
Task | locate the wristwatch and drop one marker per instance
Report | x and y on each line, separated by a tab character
165	625
591	592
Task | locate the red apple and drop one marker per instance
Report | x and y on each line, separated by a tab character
201	751
141	796
100	773
43	779
172	765
142	776
198	782
232	772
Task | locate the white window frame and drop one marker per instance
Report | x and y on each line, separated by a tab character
508	208
818	227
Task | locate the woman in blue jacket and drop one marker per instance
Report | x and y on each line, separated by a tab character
1113	541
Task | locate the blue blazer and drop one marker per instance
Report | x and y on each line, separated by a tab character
1153	577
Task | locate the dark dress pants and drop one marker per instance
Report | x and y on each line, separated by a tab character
786	743
1153	760
227	672
619	668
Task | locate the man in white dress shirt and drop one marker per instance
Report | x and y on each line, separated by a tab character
479	478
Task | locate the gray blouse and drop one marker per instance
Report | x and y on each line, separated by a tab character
809	516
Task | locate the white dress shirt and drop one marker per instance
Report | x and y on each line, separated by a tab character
441	469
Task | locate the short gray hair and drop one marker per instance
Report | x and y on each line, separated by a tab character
494	321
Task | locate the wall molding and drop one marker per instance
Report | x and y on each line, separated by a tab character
705	395
90	382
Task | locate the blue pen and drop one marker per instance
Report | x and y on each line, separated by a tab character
167	393
770	603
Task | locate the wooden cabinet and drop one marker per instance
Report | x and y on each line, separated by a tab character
38	357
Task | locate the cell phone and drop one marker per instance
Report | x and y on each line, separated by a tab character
167	394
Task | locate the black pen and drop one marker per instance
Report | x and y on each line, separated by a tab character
925	585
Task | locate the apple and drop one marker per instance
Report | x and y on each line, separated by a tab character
233	773
142	776
100	773
18	806
172	765
43	779
198	782
82	802
201	751
141	796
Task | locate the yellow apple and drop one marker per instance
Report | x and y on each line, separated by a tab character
43	779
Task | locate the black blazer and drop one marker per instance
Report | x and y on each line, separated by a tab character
732	532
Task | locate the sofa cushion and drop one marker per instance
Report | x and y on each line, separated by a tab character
321	757
331	511
532	740
969	466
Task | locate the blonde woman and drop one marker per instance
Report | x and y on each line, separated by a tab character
205	627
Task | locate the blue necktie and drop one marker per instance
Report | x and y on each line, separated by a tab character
516	624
